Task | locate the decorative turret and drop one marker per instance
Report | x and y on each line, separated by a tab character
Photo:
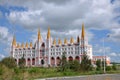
83	32
14	42
71	40
48	34
54	42
30	44
59	42
65	41
26	45
22	45
39	35
18	46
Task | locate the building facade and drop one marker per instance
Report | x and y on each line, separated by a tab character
49	52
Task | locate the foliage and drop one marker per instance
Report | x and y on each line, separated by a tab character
85	63
1	69
17	70
22	62
5	73
74	65
63	63
33	70
9	62
99	65
108	68
114	67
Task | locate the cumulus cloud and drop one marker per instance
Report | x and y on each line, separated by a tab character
65	17
5	41
5	36
113	54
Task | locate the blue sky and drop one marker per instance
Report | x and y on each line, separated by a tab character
65	17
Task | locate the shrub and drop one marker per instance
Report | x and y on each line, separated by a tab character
9	62
33	70
108	68
114	67
17	70
1	69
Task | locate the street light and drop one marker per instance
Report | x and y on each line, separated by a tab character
104	55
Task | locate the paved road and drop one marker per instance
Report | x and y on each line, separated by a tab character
89	77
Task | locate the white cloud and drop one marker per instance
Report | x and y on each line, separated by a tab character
113	54
5	36
5	41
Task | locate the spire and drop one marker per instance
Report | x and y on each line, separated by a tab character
54	42
39	35
30	44
26	45
59	42
83	32
22	45
18	45
48	34
71	40
65	41
78	39
14	41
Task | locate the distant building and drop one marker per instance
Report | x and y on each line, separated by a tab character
49	52
101	58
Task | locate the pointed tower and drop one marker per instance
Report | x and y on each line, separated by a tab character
65	41
78	39
48	34
54	42
48	45
59	42
13	46
83	32
18	46
39	35
26	45
14	42
30	44
71	40
22	45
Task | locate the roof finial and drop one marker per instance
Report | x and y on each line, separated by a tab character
26	45
71	40
39	35
65	41
83	31
30	44
22	45
48	34
54	42
18	46
59	42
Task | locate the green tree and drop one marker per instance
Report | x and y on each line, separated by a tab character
74	65
63	63
99	65
114	67
85	63
22	62
9	62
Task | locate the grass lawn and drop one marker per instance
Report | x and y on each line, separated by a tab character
35	73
